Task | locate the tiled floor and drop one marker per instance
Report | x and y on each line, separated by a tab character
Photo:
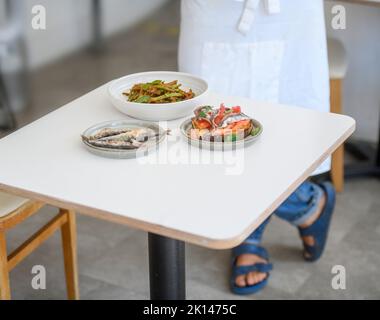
113	258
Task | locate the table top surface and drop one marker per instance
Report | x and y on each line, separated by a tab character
215	203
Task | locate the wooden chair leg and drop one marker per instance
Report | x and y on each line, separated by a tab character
337	161
5	291
69	243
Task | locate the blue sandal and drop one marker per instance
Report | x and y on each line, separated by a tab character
241	270
320	228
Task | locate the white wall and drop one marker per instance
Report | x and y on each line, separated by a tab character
67	28
69	25
362	84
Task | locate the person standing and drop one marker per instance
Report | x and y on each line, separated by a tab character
273	51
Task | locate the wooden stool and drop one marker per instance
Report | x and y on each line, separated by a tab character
337	71
14	210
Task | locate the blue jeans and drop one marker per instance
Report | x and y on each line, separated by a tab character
296	209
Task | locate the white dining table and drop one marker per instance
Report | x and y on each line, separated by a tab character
179	193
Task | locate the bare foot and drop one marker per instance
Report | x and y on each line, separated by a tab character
253	277
309	240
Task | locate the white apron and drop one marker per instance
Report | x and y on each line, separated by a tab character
268	50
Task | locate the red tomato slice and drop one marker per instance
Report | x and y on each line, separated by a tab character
219	117
236	109
222	108
242	124
202	124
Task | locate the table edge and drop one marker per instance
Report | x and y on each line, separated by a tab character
202	241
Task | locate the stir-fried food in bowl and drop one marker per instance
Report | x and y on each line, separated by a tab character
173	96
158	91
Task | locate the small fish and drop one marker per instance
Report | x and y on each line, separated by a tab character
107	132
116	144
229	119
126	138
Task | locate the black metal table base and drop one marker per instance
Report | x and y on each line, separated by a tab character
368	160
362	170
10	122
166	268
97	36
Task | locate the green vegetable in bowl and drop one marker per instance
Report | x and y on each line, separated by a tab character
158	92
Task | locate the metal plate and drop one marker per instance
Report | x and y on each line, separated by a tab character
150	145
221	146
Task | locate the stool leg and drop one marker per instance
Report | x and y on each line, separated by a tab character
69	243
337	161
5	291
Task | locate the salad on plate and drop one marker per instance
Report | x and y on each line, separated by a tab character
224	124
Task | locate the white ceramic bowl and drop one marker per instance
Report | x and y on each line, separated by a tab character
159	111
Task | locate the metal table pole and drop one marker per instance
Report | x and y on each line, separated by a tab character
369	165
97	41
166	268
4	103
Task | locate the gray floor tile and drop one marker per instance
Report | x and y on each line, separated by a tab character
125	265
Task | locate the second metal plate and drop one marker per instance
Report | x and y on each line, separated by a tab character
219	145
